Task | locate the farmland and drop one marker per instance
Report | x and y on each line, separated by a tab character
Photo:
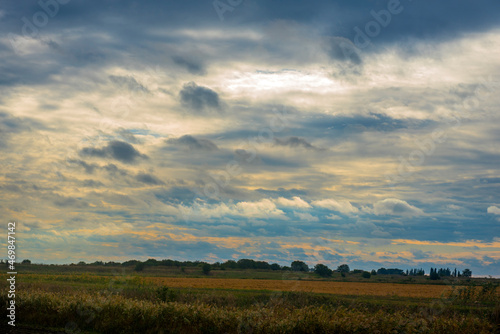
106	301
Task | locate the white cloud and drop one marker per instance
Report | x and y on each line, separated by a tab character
333	217
262	209
294	202
494	210
306	216
341	206
397	207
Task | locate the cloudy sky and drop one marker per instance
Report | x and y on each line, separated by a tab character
360	132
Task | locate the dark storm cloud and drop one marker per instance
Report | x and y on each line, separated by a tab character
130	25
192	143
128	136
176	195
198	98
148	179
118	150
421	18
89	168
11	125
191	65
419	254
342	49
15	71
490	180
295	142
70	202
128	82
362	123
92	184
14	188
113	170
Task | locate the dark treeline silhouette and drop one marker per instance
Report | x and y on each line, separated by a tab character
300	266
415	272
436	273
390	271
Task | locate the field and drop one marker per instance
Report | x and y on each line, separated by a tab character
121	301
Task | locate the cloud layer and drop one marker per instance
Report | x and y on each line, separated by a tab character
281	133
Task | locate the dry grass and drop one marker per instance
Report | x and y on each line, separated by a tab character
138	304
341	288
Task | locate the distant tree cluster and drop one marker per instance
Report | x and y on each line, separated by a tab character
299	266
390	271
436	273
415	272
323	270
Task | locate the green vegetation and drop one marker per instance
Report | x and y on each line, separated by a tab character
323	270
130	298
248	267
206	268
127	304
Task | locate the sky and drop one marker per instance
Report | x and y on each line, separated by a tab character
360	132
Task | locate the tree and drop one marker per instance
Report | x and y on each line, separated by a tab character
434	274
246	264
231	264
26	261
275	266
390	271
343	268
139	266
467	273
151	262
322	270
299	266
206	268
366	274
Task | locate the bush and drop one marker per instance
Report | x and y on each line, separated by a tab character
299	266
366	274
139	266
206	268
343	268
164	294
322	270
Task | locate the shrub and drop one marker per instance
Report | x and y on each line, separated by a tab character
343	268
299	266
139	266
322	270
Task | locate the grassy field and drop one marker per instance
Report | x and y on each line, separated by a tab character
121	301
162	271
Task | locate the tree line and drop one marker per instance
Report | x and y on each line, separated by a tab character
319	269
